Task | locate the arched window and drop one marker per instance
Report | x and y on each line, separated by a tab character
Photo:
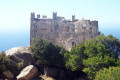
73	44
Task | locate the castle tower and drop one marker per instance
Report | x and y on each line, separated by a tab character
32	15
54	15
38	16
73	17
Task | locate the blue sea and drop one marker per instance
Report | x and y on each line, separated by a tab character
22	38
9	40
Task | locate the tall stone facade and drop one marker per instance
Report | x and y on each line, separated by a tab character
67	33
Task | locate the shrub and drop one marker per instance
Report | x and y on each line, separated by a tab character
46	53
113	73
3	58
94	64
21	65
74	58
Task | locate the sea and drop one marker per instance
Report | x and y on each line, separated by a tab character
10	40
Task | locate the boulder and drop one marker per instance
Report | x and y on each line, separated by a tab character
8	74
22	53
16	59
44	77
27	73
11	63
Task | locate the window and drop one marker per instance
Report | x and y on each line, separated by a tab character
84	29
73	44
44	31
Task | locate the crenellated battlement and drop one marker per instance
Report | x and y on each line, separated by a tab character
62	31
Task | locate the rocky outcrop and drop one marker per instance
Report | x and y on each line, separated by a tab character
11	63
22	53
17	50
40	72
16	59
27	73
8	74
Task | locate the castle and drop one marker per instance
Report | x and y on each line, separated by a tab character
60	31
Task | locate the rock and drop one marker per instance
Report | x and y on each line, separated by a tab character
8	74
44	77
27	73
11	63
17	50
23	53
16	59
52	72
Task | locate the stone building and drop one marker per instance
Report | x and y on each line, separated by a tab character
60	31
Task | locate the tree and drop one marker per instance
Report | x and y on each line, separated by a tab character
101	51
94	64
113	73
74	59
47	54
103	45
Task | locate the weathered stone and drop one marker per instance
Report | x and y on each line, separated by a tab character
8	74
21	53
16	59
27	73
17	50
44	77
11	63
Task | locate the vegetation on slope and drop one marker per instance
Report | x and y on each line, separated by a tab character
46	53
98	57
96	54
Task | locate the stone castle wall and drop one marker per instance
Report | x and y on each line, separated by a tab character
67	33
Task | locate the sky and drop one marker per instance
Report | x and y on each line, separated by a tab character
15	16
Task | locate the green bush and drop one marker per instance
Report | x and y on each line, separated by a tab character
94	64
74	58
21	65
103	45
3	58
5	66
101	52
47	54
113	73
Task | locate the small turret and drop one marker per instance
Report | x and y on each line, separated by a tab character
38	16
73	17
54	15
32	15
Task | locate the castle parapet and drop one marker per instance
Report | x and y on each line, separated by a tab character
55	15
73	17
38	16
44	16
